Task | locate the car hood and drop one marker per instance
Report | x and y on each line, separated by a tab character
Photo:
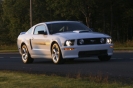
75	35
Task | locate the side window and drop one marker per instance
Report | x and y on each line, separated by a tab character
39	28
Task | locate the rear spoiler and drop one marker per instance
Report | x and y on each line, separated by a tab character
22	33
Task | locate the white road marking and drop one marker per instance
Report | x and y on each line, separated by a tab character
15	57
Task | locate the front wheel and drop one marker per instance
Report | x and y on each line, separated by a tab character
56	54
26	58
104	58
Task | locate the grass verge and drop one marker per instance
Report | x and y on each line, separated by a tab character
11	79
128	45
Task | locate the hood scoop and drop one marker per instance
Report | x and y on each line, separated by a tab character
80	31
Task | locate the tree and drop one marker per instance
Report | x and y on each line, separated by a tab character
16	15
86	7
3	31
40	12
71	8
108	16
127	19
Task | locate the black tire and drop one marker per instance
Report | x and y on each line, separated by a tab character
56	54
104	58
26	58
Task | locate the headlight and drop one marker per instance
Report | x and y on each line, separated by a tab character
109	40
69	43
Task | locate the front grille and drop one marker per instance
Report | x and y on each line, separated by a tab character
89	41
92	53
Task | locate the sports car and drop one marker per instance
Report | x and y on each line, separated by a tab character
61	40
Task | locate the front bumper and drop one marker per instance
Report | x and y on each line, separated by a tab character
87	51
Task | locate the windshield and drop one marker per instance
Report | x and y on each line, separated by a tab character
66	27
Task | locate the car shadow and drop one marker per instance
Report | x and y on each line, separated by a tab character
75	61
42	61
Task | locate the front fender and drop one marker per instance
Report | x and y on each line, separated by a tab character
59	41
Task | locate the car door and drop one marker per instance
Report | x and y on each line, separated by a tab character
40	41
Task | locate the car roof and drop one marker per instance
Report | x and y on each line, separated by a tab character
50	22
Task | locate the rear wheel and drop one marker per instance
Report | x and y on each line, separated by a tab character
104	58
26	58
56	54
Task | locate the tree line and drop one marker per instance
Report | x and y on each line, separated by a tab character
113	17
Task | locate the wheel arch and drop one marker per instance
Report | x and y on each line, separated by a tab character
53	42
23	43
52	45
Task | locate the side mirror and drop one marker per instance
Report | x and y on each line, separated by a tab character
42	32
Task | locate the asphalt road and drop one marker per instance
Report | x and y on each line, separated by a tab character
120	66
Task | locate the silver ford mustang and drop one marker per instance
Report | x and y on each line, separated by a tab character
60	40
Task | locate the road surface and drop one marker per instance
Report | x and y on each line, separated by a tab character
120	66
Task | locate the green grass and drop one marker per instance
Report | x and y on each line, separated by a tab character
12	79
128	45
8	47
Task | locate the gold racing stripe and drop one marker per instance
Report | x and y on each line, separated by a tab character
42	43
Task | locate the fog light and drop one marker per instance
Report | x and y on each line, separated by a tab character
68	48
